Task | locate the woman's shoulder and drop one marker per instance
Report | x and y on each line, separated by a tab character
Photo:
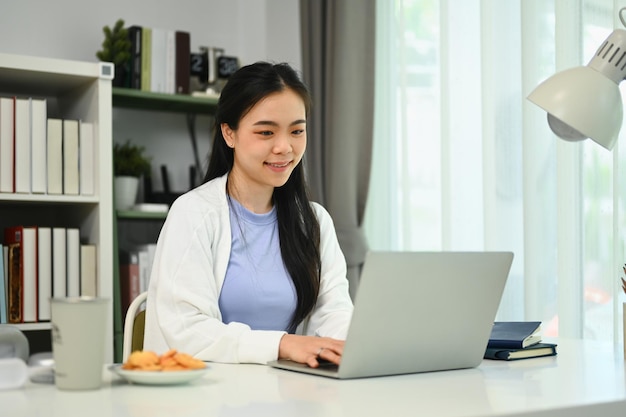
321	213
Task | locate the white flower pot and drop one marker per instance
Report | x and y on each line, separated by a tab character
125	192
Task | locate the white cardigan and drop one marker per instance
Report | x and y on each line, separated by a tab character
188	272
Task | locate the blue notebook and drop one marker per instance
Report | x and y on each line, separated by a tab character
534	351
514	334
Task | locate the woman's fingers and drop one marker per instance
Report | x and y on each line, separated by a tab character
331	352
311	349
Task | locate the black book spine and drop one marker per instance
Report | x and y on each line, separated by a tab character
134	33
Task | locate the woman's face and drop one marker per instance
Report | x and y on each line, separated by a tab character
269	142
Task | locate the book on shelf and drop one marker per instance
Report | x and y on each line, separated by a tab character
183	62
146	58
73	261
54	156
170	62
87	163
88	271
533	351
44	272
70	157
22	147
144	276
146	258
5	274
38	125
59	262
514	334
14	284
130	284
134	35
3	293
158	58
26	238
40	155
7	112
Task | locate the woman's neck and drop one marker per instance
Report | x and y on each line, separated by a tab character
254	197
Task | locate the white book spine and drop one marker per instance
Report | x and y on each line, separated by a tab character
143	269
22	145
88	271
44	272
170	62
54	155
70	157
38	145
29	271
6	144
158	65
73	262
87	159
59	262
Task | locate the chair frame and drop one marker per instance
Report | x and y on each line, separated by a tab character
129	324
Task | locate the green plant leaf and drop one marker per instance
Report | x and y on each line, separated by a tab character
129	159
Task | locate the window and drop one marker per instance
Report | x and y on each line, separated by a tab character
462	161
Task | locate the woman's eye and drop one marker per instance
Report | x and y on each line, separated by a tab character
265	133
297	132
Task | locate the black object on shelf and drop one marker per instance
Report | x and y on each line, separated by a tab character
165	178
165	197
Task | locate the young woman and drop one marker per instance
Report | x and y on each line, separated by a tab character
247	268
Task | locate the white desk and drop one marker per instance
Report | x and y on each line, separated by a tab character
586	378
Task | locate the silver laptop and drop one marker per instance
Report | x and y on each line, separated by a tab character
419	312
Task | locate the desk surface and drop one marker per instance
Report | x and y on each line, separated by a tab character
585	378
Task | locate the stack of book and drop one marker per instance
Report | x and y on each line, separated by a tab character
37	263
135	269
160	60
44	155
512	340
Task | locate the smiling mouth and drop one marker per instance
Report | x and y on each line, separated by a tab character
283	165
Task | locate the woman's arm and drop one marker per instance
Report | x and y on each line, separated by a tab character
333	311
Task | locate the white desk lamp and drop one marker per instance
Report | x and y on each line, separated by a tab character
585	102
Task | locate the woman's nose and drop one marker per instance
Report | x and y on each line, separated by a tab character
282	144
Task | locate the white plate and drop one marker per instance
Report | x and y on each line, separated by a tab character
158	377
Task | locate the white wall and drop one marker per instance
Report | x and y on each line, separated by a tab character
72	29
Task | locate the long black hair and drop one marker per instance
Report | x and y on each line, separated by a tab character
298	228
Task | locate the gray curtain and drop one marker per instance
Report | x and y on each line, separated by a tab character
338	42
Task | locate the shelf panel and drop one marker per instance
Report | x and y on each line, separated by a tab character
44	325
41	77
140	215
180	103
47	199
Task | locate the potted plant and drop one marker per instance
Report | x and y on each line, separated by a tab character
129	164
116	48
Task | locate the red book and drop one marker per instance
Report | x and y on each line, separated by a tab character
26	238
130	284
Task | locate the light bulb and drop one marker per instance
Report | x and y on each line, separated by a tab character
563	130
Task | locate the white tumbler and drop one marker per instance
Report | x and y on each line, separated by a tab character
78	333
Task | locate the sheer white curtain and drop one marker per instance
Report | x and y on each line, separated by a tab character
462	161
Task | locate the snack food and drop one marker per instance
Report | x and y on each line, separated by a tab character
172	360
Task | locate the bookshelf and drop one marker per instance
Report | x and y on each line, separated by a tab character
137	227
73	90
178	103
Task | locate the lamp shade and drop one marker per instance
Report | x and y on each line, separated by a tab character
585	102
